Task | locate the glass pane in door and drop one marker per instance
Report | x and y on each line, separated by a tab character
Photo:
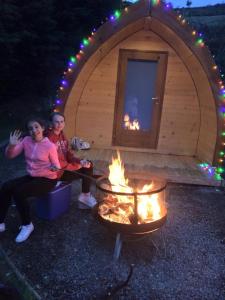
139	91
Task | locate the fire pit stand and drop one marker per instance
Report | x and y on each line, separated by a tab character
120	238
136	228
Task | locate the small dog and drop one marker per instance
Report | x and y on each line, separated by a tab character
79	144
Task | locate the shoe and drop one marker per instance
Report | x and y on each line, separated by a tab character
86	201
24	233
2	227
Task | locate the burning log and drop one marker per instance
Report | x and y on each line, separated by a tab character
125	204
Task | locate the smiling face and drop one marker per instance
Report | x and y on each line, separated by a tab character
36	131
58	123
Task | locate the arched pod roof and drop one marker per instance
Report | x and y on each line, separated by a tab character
174	30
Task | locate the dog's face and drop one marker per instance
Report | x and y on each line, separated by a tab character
79	144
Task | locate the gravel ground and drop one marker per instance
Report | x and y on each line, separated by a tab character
71	257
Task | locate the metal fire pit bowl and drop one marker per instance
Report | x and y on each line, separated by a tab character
135	228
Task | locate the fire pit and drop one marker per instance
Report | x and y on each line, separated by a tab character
130	207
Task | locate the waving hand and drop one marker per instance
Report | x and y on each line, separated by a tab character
15	137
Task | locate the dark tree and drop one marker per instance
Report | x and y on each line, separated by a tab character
188	3
36	39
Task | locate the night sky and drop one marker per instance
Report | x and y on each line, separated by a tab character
182	3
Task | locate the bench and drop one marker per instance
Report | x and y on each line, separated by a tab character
55	203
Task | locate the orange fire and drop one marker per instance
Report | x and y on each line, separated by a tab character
120	208
131	125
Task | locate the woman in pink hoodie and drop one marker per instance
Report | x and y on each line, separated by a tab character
41	159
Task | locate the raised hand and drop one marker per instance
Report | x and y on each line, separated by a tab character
15	137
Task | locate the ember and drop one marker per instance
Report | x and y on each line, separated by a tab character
119	204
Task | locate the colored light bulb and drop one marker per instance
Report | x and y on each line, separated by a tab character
85	42
217	177
117	14
200	42
219	170
155	2
73	59
58	101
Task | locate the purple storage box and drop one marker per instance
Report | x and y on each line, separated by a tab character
55	203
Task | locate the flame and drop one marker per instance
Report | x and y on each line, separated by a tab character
117	208
131	125
148	205
116	174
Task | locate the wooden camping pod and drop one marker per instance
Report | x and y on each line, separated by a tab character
189	122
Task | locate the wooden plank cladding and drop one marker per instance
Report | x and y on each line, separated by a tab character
188	125
180	112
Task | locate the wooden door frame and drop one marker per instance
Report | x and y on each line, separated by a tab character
135	138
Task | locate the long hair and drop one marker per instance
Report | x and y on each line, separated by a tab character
56	113
38	120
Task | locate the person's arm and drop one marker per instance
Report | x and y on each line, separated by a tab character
77	162
53	156
73	163
71	158
15	146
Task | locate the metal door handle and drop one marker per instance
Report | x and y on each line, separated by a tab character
156	100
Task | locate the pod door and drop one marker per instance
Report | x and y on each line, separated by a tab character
139	98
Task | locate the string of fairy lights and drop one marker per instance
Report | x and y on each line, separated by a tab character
198	41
